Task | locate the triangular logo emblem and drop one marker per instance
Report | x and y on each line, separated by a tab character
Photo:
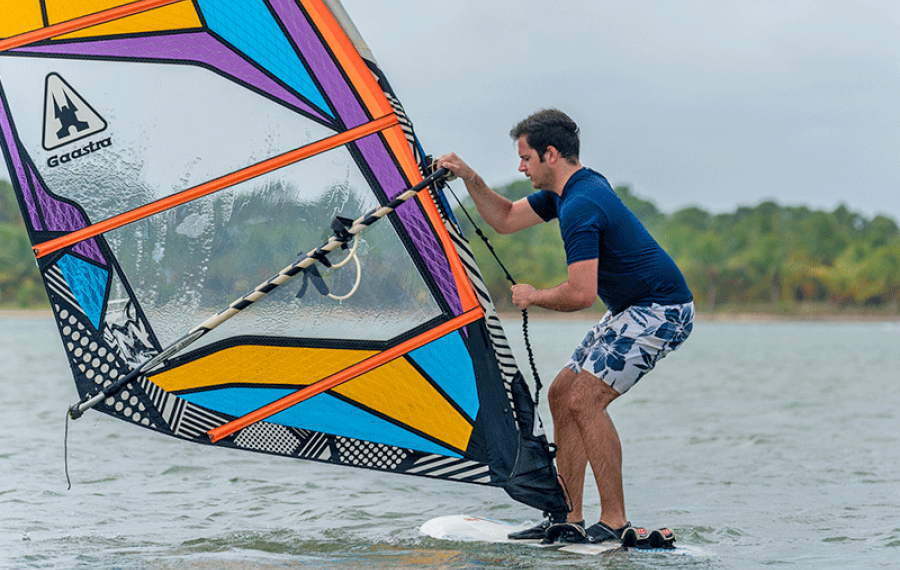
67	117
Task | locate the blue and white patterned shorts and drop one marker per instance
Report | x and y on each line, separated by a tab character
621	348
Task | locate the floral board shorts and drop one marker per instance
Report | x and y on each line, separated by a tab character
621	348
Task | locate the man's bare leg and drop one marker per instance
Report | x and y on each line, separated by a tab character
588	399
571	460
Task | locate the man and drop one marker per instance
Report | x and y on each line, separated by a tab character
609	254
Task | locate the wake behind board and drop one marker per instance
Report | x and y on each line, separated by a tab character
465	528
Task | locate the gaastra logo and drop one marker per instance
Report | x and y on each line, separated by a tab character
69	118
56	160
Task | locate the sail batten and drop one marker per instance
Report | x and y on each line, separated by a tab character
170	156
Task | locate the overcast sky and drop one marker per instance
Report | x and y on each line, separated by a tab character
713	103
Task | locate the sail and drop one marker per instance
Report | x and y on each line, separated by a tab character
170	155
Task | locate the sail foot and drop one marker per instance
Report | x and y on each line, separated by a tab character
533	480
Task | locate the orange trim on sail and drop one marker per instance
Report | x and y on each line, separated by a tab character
396	140
350	61
345	375
226	181
399	144
466	292
82	23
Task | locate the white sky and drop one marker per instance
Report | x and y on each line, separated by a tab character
713	103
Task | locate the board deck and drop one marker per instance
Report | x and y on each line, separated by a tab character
466	528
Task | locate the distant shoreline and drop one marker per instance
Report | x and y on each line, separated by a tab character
540	315
723	317
25	314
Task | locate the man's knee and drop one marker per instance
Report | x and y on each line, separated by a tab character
557	395
589	395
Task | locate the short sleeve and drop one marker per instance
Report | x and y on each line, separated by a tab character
544	204
584	224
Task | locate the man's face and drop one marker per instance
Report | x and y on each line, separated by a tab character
532	166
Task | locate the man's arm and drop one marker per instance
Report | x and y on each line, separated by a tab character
578	292
499	212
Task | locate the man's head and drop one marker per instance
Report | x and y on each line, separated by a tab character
546	128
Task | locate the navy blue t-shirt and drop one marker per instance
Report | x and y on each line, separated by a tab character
632	268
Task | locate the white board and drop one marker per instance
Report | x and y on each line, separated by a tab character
466	528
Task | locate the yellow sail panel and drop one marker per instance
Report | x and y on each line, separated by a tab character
20	17
400	392
179	16
65	10
271	365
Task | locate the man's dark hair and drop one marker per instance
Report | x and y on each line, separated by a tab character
549	127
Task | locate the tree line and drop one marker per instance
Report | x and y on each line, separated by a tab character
20	282
766	257
772	258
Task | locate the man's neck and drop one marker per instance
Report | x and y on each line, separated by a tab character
565	171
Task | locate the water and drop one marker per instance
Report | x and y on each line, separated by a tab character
765	444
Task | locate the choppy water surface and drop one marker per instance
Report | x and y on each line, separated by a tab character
767	445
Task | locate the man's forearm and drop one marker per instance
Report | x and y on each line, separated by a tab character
493	207
563	298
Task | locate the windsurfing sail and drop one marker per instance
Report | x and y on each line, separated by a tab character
170	155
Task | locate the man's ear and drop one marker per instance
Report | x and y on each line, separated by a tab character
551	155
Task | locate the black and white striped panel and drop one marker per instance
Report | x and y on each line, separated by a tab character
315	446
498	336
193	421
57	283
451	468
406	125
158	396
184	419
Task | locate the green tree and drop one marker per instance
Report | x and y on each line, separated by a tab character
20	283
765	255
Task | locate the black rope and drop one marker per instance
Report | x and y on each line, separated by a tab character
534	372
66	452
537	377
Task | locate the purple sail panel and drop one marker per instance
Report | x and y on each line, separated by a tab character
412	218
89	249
60	216
321	64
15	158
194	47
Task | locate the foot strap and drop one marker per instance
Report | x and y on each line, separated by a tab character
564	532
641	538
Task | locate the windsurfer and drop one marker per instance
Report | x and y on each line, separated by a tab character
609	254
